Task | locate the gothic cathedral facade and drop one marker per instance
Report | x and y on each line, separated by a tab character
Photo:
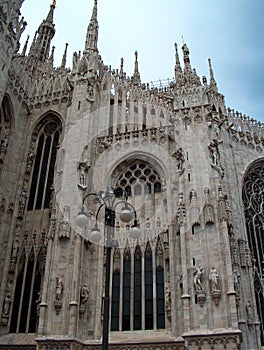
191	169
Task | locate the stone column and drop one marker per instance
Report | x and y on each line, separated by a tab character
185	296
229	278
75	287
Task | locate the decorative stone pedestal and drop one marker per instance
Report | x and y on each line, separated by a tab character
201	297
216	295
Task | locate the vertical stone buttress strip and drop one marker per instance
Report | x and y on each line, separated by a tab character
74	288
229	277
43	315
185	295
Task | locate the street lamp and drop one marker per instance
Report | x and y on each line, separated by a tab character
109	201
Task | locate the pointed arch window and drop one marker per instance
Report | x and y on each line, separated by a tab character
253	200
43	171
139	178
138	281
141	307
24	316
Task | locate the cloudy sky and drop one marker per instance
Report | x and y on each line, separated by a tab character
230	32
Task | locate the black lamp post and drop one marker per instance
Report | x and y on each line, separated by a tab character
108	200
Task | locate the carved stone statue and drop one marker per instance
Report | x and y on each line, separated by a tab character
23	199
15	249
84	294
214	279
179	156
83	171
168	301
197	279
59	288
65	227
90	93
214	152
7	305
30	158
249	312
38	301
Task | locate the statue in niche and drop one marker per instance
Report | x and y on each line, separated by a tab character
197	279
3	147
30	158
59	288
215	156
15	249
168	301
23	198
214	152
83	172
52	227
9	286
249	312
84	295
215	286
7	305
179	156
10	209
65	227
4	143
90	93
2	206
214	278
58	295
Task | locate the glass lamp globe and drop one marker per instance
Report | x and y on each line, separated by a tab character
135	231
82	219
95	235
126	214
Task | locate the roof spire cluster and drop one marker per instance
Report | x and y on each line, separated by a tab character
40	46
188	76
212	79
92	31
136	75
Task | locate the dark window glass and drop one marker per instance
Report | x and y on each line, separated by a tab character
26	296
35	173
137	289
35	296
43	172
17	296
148	289
51	170
115	301
160	297
126	291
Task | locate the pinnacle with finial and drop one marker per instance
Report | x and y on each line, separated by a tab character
212	79
25	47
64	58
122	67
136	75
178	69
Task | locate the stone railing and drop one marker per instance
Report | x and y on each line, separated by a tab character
245	130
159	135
